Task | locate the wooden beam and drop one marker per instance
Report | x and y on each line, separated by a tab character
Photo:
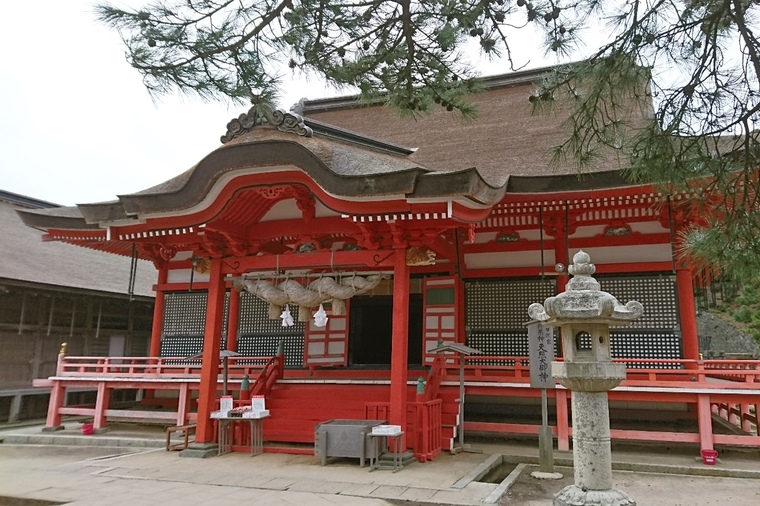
375	259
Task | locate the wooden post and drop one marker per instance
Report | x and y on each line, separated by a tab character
101	405
399	341
704	420
687	314
158	313
182	405
154	350
744	414
212	337
461	317
233	320
57	396
563	427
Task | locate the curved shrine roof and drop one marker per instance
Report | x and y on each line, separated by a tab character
348	167
505	149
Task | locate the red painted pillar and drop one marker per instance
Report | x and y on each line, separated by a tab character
704	421
212	337
399	340
158	313
182	406
233	319
687	313
158	322
461	317
57	396
102	404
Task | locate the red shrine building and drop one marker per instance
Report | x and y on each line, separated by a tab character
330	249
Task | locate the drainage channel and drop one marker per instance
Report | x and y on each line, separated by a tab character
495	469
497	473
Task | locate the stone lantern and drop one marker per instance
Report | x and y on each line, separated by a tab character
584	314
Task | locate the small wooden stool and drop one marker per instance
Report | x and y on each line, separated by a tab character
186	430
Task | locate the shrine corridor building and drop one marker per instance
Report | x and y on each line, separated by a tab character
402	233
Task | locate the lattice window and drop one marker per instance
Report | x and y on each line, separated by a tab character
646	344
497	311
254	318
258	335
181	346
184	323
501	305
266	346
185	313
656	293
505	344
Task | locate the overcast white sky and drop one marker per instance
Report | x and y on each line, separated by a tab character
76	123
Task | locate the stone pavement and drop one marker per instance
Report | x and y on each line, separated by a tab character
128	465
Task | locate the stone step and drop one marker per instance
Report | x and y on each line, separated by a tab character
386	459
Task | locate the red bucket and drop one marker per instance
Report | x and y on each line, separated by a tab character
709	457
87	429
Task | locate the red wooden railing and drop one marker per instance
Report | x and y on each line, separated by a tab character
424	425
743	416
477	368
517	369
152	367
726	388
435	376
268	376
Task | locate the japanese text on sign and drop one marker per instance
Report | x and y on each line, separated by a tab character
541	355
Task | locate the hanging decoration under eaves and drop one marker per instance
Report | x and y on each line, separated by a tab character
319	291
287	318
320	317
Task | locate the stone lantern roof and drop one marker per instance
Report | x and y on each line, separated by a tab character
583	301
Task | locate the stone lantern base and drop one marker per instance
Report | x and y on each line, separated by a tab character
572	495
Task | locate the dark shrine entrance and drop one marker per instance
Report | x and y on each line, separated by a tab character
370	330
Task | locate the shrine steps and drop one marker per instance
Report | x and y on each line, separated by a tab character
449	416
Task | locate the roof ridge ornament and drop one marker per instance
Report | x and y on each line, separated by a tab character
289	122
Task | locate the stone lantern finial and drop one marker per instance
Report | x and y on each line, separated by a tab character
583	300
582	269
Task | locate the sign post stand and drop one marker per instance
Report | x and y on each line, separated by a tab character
541	355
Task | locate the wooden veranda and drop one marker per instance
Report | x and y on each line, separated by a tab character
716	394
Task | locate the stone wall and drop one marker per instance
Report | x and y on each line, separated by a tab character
719	339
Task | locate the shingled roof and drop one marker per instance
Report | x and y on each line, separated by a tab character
505	139
27	259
